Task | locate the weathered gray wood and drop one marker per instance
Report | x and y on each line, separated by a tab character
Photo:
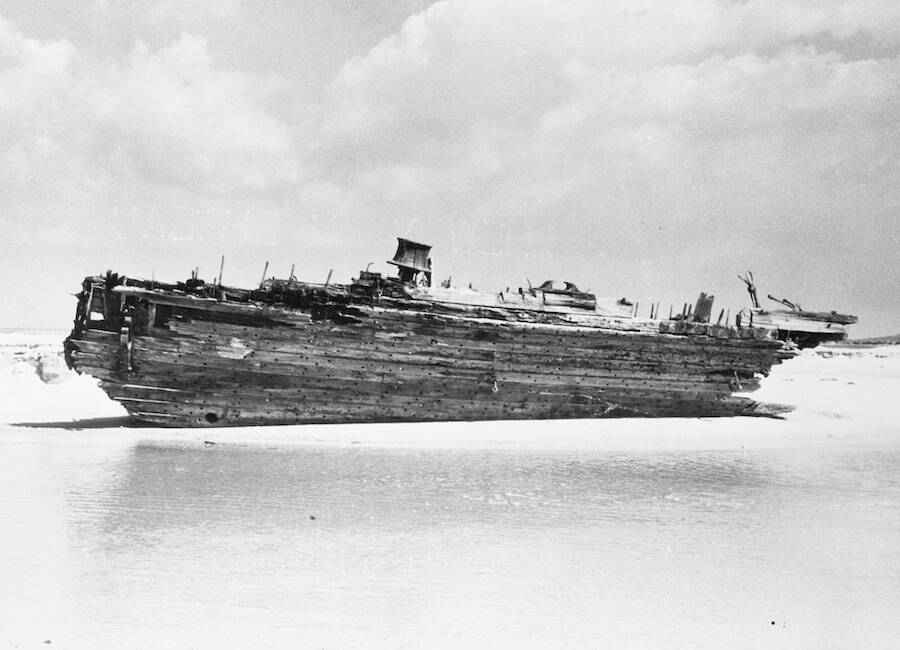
333	357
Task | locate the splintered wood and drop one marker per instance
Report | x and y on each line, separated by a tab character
379	351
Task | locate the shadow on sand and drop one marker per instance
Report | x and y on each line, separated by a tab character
87	423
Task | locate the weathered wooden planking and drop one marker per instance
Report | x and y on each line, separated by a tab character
191	353
187	370
453	335
613	395
308	355
502	360
381	372
226	407
331	357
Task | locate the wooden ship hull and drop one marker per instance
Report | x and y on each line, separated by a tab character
805	328
383	349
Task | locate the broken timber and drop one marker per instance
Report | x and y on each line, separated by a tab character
396	349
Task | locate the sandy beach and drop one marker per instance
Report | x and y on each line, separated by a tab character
704	533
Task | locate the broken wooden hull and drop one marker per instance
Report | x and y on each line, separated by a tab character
805	328
329	355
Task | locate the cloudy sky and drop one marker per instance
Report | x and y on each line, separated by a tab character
641	149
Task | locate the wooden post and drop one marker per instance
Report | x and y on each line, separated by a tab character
328	279
702	311
291	276
670	311
719	319
265	269
221	267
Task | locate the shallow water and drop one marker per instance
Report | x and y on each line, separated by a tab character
120	539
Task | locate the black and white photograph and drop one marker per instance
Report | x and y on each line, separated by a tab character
415	324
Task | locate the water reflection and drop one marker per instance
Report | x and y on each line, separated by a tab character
186	544
249	488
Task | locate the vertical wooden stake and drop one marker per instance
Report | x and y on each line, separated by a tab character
291	276
265	269
221	267
328	279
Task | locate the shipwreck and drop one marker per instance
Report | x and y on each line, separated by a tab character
805	328
198	354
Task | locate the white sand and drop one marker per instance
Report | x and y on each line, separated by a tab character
36	386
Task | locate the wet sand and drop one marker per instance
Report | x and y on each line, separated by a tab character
636	533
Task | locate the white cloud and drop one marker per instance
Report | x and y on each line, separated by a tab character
535	87
180	120
193	11
696	133
732	128
168	116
